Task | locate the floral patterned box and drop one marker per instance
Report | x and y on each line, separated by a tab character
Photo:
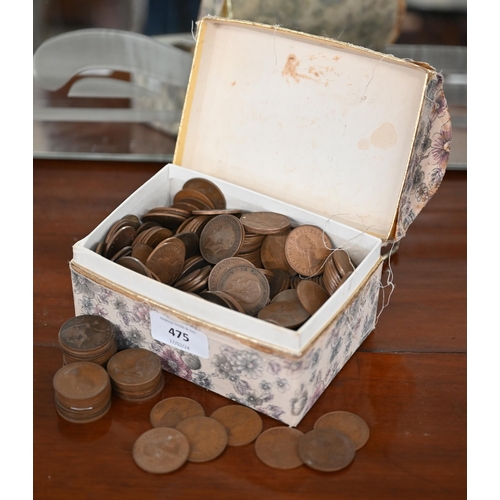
330	134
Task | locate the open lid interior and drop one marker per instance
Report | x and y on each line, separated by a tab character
320	124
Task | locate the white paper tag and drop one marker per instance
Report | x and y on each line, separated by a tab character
179	335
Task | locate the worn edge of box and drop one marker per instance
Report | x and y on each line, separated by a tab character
260	345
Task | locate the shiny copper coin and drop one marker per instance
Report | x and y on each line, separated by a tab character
278	447
243	425
343	262
171	411
272	252
85	333
285	313
311	295
209	189
221	238
247	285
167	260
265	222
207	438
306	249
326	450
121	238
349	423
161	450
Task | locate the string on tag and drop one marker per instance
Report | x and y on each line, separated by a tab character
390	284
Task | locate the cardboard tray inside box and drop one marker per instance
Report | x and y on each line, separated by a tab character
329	134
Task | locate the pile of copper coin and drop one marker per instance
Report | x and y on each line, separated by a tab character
82	391
256	263
182	432
87	338
136	374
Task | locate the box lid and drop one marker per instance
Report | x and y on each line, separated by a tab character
336	129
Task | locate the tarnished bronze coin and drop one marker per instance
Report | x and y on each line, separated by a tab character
349	423
207	438
272	252
134	264
221	238
247	285
82	392
265	222
209	189
289	295
343	262
278	447
326	450
123	237
161	450
136	374
141	252
243	425
167	260
306	249
289	314
191	242
86	332
171	411
311	295
221	267
193	194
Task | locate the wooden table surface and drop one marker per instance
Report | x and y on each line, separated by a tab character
407	380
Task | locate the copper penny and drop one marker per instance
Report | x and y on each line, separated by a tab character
243	425
349	423
289	295
343	262
191	242
209	189
272	252
121	238
134	264
141	252
311	295
161	450
221	238
278	447
171	411
221	267
247	285
167	260
193	194
265	222
86	332
207	438
289	314
134	367
218	211
306	249
326	450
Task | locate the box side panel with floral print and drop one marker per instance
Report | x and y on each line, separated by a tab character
283	387
429	158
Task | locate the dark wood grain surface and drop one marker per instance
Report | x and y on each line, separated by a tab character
407	380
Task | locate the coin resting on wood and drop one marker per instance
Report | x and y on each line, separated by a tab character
237	259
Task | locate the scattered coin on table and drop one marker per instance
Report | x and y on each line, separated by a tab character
243	425
161	450
278	447
349	423
171	411
206	436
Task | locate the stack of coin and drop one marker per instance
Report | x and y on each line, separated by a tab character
238	260
82	392
136	374
87	338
